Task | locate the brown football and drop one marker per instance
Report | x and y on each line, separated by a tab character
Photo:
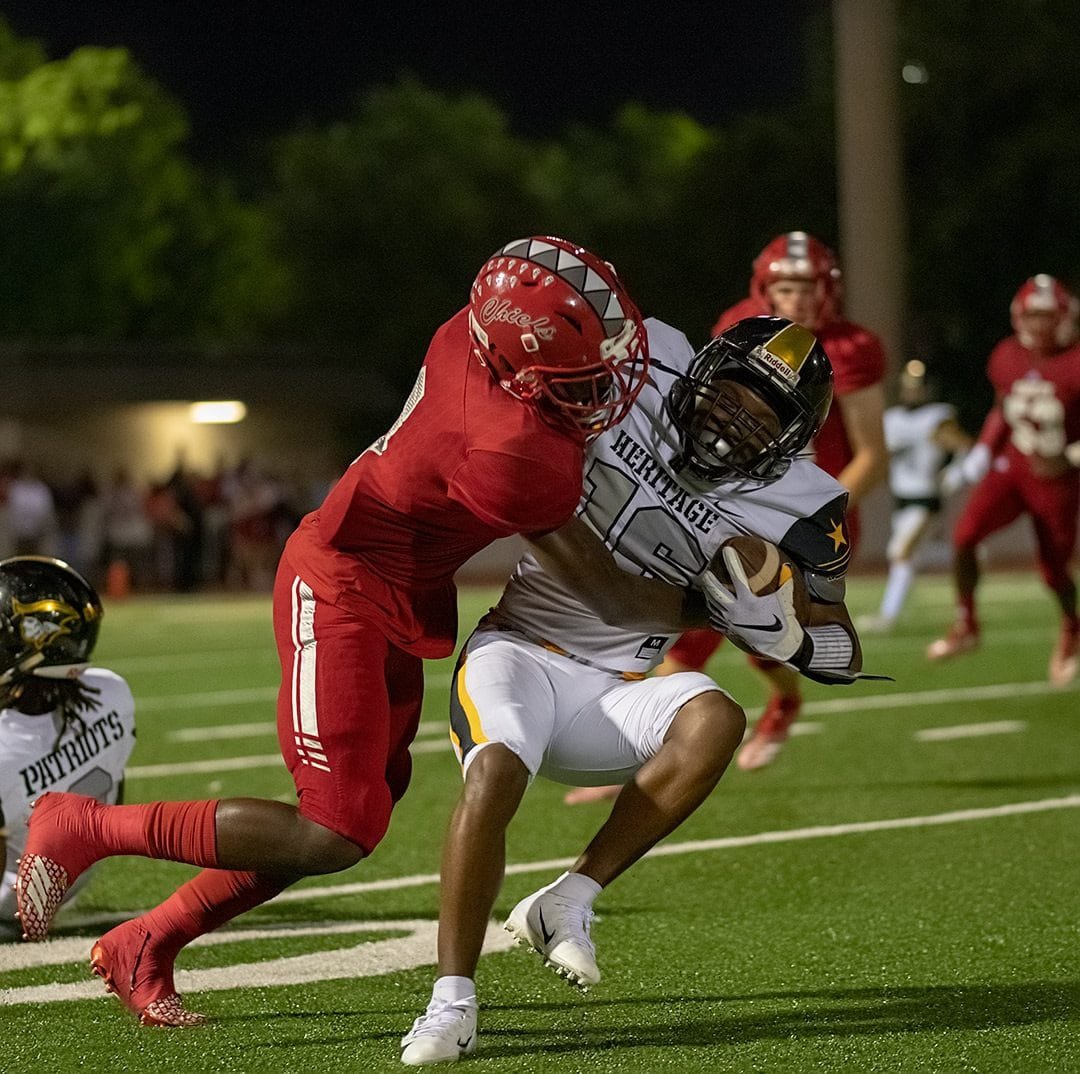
766	567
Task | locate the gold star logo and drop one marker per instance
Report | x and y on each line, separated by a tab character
839	537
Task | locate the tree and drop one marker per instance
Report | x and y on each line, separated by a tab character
386	217
993	154
109	230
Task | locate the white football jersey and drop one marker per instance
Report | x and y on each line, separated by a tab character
88	759
915	461
666	525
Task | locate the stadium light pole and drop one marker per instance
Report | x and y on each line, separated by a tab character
870	170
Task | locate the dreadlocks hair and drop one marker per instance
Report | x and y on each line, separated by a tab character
68	698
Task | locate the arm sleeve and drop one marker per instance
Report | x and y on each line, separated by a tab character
514	494
860	364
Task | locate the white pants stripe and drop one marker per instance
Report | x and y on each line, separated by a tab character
304	708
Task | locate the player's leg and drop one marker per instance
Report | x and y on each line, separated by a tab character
676	734
695	751
782	709
691	652
67	833
1053	505
136	959
500	717
910	525
994	503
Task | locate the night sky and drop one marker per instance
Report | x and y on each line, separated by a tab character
244	70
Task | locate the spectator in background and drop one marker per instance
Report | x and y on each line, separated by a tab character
76	502
31	513
256	502
127	531
921	435
187	537
1026	461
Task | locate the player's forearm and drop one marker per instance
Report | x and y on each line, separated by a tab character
866	470
582	562
994	431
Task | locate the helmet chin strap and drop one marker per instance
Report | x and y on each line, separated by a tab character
23	666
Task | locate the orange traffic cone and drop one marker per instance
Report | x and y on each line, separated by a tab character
118	580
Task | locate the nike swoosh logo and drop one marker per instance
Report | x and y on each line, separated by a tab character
464	1043
548	936
772	627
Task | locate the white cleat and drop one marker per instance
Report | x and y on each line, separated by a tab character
557	929
444	1033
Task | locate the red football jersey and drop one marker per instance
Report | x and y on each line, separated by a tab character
465	463
858	361
1039	396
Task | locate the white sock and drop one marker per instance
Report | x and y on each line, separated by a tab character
901	575
577	887
454	990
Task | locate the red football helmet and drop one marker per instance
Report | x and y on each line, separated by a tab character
1043	293
799	256
556	328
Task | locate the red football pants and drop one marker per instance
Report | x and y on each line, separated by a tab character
348	709
1004	495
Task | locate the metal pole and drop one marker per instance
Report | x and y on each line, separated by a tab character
869	168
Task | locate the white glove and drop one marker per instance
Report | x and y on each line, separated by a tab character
766	623
969	469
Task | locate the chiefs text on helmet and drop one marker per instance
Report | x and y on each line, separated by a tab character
751	401
556	328
799	256
49	619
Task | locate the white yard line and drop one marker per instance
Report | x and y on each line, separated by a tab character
971	730
240	764
697	846
861	702
992	692
417	948
262	728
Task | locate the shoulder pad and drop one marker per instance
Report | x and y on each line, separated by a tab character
820	544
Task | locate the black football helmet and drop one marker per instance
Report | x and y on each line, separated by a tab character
49	619
724	432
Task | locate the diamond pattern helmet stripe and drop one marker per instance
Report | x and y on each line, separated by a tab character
583	279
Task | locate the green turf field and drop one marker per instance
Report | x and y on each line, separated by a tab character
892	895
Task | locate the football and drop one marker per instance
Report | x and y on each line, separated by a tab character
766	567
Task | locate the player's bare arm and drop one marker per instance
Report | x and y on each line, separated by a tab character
863	411
581	561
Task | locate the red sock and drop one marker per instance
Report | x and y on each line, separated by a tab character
174	831
206	902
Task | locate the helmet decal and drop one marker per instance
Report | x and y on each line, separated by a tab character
568	266
49	619
555	328
39	633
787	350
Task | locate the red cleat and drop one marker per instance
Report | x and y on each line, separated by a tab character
1063	660
126	959
961	638
770	733
58	850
